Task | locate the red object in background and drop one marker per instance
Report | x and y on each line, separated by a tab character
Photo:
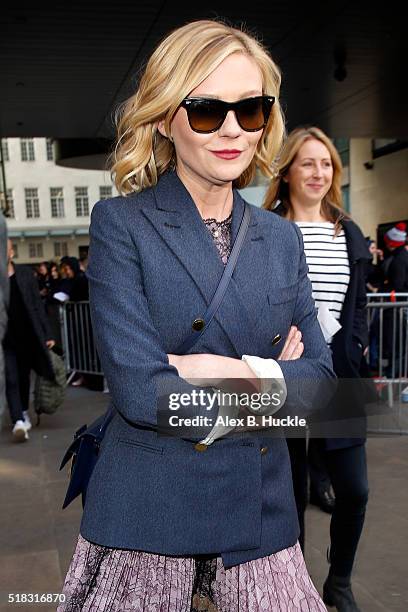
392	296
382	228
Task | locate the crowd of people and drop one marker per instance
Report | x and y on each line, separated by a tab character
387	272
58	283
34	295
66	277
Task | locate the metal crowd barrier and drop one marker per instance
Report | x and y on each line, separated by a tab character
387	322
77	339
387	357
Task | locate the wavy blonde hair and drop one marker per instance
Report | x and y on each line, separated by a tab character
186	57
332	204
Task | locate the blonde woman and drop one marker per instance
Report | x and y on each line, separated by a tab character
195	522
307	190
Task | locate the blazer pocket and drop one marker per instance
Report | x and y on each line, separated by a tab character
149	448
280	295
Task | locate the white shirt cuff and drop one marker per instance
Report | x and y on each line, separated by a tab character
272	380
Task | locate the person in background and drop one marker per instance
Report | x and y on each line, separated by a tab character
52	305
374	273
397	281
75	281
77	290
375	283
307	190
55	277
68	269
395	240
43	278
4	293
83	263
26	343
167	526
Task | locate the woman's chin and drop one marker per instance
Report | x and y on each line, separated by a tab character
229	174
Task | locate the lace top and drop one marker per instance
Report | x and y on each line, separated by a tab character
221	233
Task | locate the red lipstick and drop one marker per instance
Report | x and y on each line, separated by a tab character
227	153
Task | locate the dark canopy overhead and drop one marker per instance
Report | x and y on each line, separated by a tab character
65	69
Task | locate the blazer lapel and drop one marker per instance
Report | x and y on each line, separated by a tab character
178	222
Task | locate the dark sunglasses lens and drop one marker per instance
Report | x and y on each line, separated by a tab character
252	114
205	115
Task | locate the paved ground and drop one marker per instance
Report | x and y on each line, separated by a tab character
37	538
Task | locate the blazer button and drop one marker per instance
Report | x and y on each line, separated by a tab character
198	324
264	450
200	447
276	339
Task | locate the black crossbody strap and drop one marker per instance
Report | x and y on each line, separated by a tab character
216	301
218	296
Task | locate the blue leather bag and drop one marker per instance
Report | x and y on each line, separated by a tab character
83	453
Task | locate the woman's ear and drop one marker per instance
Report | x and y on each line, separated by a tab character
161	128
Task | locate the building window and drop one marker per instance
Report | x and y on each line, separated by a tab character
50	149
60	249
35	249
27	149
15	249
32	203
343	148
57	202
10	204
105	192
5	149
81	201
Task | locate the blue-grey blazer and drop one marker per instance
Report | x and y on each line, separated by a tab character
153	268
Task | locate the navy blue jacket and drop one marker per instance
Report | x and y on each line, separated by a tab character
349	343
346	413
153	268
37	321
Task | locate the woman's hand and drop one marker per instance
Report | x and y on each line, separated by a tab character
293	347
207	367
206	370
196	366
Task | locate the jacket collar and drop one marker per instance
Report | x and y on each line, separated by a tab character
356	244
172	196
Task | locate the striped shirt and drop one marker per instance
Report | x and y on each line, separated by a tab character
328	263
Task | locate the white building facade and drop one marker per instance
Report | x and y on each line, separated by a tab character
49	205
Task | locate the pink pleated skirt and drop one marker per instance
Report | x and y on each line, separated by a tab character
102	579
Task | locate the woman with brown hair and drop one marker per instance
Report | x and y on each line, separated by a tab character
307	190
